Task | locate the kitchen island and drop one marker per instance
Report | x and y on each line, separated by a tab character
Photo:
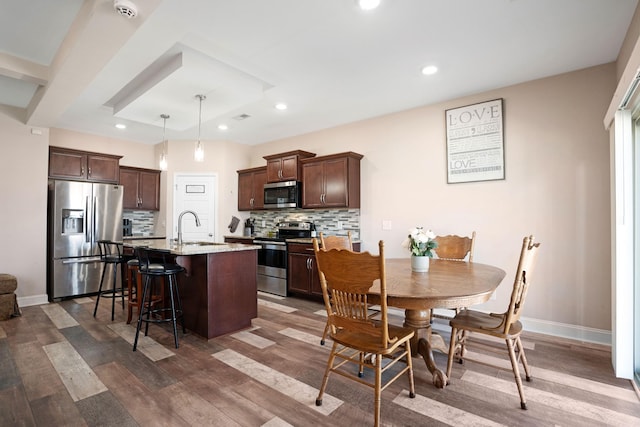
218	289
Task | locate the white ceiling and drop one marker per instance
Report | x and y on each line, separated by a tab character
78	65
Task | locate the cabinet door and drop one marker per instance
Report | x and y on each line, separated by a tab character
70	165
314	279
335	183
274	166
289	168
312	185
245	191
298	273
103	169
149	190
259	180
283	169
129	180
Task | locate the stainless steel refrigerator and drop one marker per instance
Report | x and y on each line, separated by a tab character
80	214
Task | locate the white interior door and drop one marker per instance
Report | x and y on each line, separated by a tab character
198	193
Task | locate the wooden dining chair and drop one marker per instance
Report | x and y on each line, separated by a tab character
328	243
453	248
456	248
336	242
346	278
505	325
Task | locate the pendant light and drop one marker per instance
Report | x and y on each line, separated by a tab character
199	153
163	156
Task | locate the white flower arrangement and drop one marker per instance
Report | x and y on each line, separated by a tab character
420	242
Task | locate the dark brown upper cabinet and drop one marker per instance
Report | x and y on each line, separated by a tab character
141	188
65	163
285	166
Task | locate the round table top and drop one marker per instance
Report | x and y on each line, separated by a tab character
447	284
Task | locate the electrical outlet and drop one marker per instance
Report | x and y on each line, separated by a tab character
264	223
339	225
387	225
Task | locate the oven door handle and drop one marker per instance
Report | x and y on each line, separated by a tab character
278	246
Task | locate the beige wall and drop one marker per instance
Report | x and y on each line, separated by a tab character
223	159
556	187
23	197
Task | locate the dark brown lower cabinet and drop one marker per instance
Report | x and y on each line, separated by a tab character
302	273
219	291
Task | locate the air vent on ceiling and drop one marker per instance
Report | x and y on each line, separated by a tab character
241	117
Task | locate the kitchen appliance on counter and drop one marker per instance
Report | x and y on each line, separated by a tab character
249	227
272	256
80	214
127	227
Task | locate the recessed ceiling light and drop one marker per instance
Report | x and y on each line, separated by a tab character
429	70
281	106
121	126
223	127
368	4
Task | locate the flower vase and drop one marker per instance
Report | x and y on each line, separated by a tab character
419	264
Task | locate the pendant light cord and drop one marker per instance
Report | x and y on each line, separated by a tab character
164	127
199	117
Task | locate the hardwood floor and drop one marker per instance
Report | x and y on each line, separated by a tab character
61	367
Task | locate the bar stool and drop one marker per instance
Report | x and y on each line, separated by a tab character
110	254
133	285
152	269
134	289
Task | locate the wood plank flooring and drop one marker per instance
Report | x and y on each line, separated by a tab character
60	366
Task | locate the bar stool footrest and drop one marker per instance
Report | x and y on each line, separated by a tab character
159	311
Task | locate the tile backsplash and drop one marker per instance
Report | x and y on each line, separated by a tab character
142	222
328	221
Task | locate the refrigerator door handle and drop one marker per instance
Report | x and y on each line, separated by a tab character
86	220
93	220
82	260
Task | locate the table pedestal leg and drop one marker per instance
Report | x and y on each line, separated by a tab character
423	342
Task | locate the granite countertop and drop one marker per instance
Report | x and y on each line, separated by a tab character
307	240
190	248
242	237
292	240
142	237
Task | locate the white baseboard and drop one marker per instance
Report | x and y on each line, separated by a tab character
562	330
33	300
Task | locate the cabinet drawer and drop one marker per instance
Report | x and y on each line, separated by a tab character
300	248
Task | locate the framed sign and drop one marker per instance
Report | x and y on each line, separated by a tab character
194	189
475	145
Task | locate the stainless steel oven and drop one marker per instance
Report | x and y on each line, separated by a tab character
272	266
272	256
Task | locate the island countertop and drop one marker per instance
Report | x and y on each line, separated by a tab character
189	248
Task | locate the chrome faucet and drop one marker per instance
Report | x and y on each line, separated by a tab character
180	224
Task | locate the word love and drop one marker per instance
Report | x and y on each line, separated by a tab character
476	115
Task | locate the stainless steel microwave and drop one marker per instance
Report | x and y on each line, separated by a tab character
284	194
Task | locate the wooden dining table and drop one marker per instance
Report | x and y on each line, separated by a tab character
447	284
